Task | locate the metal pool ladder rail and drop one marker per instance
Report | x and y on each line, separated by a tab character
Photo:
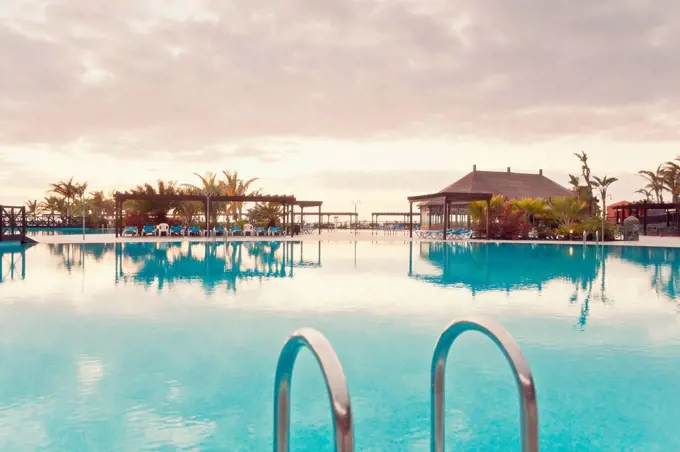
520	368
336	384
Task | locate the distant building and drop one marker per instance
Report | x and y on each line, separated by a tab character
506	183
612	209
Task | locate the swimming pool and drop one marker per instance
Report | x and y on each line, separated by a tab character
174	346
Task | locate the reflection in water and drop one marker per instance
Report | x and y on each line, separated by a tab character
13	264
110	365
663	264
213	264
484	267
210	263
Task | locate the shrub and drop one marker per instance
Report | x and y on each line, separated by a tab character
505	223
137	219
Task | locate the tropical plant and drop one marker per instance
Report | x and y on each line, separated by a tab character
33	208
603	185
505	223
533	208
158	209
655	182
671	180
646	193
585	170
234	186
209	186
477	209
69	190
265	213
100	206
54	205
567	210
575	182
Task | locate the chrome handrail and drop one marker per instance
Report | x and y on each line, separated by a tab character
336	384
520	368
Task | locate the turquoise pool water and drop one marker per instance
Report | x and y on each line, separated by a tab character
173	346
66	231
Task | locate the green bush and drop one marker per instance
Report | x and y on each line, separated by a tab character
591	225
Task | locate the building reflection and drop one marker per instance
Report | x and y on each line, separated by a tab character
13	263
211	264
482	267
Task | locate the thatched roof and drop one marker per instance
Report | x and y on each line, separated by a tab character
509	184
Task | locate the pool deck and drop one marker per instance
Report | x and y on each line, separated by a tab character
337	236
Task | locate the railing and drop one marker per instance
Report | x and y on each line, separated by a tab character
12	223
520	368
336	384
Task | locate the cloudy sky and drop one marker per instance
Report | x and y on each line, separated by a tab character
334	100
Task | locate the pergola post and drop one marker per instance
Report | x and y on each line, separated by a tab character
488	215
302	218
320	220
410	220
446	218
115	215
207	214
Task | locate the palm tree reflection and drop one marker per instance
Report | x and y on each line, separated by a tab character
211	264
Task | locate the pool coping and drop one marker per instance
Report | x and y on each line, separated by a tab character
362	236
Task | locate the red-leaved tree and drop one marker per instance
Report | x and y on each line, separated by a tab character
505	223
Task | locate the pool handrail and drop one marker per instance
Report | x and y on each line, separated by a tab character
336	384
523	378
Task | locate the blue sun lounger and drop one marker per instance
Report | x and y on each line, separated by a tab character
149	229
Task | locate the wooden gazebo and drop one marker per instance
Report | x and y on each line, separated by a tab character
447	199
285	200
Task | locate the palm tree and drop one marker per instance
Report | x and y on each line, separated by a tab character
33	209
532	207
101	206
603	186
234	186
209	186
53	205
566	210
646	193
69	190
585	170
671	179
654	181
575	182
157	209
265	212
477	209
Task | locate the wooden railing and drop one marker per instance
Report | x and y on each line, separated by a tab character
12	223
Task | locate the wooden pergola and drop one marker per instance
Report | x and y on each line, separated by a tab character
640	211
302	205
328	216
404	215
447	199
285	200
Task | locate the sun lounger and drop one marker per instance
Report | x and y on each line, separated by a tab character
236	230
148	229
176	230
274	230
220	230
259	230
194	230
130	230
